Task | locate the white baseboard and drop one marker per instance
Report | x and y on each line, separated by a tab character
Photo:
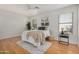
9	36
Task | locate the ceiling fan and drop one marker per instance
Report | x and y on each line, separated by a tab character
32	7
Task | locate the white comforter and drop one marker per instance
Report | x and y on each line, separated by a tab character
31	40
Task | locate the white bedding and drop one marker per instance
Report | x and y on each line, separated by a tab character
30	39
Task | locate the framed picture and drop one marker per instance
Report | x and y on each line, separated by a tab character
44	21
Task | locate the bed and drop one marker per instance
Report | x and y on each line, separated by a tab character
30	39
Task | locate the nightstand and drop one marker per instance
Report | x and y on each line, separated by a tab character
66	36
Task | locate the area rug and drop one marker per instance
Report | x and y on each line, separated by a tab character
33	49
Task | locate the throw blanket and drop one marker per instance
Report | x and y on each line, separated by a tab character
38	36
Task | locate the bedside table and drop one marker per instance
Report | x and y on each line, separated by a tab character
66	36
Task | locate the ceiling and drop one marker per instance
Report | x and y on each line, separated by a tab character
49	7
25	10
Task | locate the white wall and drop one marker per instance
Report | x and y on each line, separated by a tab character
53	18
11	24
78	25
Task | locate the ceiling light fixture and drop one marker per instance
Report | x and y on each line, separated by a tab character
33	10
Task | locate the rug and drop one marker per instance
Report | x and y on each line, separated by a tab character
33	49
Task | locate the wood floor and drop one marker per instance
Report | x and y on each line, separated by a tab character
10	45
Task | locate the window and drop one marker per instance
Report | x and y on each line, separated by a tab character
65	22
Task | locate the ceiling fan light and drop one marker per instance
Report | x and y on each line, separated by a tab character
36	7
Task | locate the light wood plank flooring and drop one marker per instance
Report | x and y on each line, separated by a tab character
10	45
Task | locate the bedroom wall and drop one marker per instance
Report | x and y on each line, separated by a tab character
78	23
11	24
53	19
